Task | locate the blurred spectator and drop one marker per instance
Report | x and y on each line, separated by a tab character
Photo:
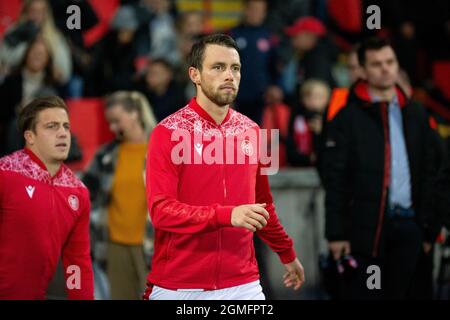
304	142
190	23
190	26
159	29
115	179
276	116
425	23
378	170
36	18
81	55
354	69
313	55
32	78
257	51
181	76
163	93
406	45
339	95
116	54
282	13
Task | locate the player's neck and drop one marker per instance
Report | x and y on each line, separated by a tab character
218	113
51	165
53	168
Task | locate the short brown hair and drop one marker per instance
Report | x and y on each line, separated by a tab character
29	113
196	55
374	43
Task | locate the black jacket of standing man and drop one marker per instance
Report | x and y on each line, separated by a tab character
378	173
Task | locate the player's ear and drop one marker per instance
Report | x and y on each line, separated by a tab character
194	74
29	137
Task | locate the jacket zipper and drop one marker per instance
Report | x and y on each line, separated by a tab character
386	177
219	240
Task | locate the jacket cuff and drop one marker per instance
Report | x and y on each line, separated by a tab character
224	215
287	256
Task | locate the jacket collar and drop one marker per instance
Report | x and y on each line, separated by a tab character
205	115
39	162
360	91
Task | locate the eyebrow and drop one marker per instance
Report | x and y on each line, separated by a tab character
223	64
56	122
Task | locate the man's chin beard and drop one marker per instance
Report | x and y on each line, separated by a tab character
222	102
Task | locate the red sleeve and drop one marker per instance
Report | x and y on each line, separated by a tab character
2	183
166	212
76	257
273	233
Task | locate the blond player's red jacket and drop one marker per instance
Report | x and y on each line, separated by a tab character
42	219
190	204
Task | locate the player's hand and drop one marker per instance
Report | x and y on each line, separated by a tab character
250	216
295	275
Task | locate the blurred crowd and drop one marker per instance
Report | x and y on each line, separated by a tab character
298	59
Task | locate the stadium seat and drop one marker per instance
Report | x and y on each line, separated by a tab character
9	12
441	74
89	125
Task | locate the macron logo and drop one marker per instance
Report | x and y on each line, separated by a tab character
30	191
199	148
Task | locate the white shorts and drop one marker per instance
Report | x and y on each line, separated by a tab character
249	291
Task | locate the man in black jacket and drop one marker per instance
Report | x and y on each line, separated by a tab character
442	196
378	170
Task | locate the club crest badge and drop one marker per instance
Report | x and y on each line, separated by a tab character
73	202
247	148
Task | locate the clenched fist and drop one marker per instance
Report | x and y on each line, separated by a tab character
250	216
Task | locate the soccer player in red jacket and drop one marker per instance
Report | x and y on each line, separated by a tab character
204	204
44	209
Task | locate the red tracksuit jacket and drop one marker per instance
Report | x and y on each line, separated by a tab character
190	204
40	218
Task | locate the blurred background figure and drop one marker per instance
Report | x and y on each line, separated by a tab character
190	23
158	85
257	50
354	69
304	141
312	56
276	116
115	179
190	26
158	29
115	55
80	82
32	78
36	19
